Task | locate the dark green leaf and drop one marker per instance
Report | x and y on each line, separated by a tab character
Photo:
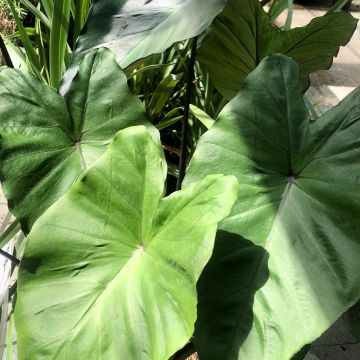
47	140
286	263
242	35
110	269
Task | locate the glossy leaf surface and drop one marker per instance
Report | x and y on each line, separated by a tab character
134	29
286	261
110	269
48	141
242	35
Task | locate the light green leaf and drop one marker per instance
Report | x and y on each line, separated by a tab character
110	269
58	40
242	35
134	29
202	116
286	263
49	140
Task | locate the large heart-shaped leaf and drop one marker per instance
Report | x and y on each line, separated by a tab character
47	140
286	263
134	29
110	269
242	35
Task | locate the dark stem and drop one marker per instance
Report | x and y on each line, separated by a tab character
185	121
13	259
5	53
185	352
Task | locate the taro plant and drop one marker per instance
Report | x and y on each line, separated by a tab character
250	255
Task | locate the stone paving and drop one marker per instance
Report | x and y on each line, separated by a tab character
331	86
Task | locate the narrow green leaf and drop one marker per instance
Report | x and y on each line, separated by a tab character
82	8
148	68
50	140
37	13
48	6
311	108
202	116
30	51
286	260
58	40
110	269
338	6
163	92
277	8
289	16
17	56
17	34
243	34
9	233
166	123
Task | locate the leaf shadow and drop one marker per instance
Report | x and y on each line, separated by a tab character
220	288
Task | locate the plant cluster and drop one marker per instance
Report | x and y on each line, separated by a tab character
251	254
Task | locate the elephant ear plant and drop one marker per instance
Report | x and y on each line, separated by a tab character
287	257
253	257
49	140
110	269
242	35
134	29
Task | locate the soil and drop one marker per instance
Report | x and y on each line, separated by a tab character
7	27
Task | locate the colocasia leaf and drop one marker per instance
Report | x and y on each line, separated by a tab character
134	29
242	35
48	141
110	269
286	261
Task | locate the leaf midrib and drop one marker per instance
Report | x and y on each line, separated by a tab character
265	245
110	285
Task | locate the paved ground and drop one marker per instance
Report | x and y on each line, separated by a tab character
331	86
